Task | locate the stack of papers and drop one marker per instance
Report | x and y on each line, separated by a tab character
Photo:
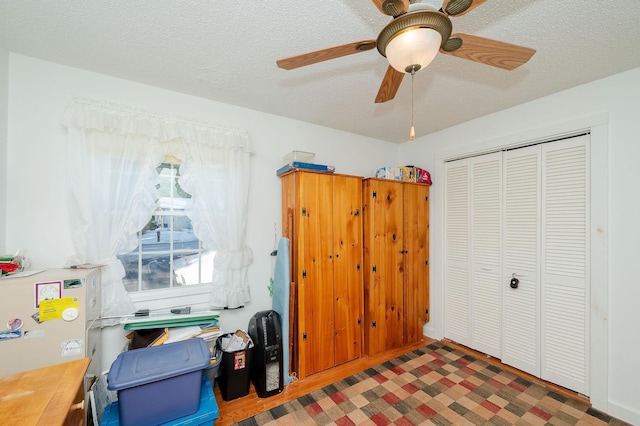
175	328
236	342
176	334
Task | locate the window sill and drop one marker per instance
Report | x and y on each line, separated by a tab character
196	296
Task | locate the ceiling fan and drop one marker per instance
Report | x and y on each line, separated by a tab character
412	39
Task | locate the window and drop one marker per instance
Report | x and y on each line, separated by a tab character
168	254
111	201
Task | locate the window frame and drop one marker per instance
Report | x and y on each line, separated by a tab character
173	292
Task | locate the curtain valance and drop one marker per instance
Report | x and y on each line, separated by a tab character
108	117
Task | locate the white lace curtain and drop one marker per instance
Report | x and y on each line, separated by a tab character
113	152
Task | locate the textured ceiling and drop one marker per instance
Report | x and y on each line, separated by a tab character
226	51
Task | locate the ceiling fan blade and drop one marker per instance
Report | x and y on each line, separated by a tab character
325	54
390	84
392	7
461	7
487	51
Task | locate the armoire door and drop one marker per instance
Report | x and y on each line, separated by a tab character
416	260
315	276
347	267
383	247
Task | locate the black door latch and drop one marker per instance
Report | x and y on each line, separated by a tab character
514	282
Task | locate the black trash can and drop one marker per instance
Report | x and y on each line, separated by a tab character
235	371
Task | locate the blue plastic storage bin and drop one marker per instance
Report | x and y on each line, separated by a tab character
206	414
159	384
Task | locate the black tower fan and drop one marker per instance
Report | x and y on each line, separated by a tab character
265	330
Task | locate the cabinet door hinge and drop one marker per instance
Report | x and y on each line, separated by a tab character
375	194
304	274
304	211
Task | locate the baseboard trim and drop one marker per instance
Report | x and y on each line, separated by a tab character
623	413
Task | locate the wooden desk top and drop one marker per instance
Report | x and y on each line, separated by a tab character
43	396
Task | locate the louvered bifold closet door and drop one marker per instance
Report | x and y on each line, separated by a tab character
457	252
565	279
486	253
521	259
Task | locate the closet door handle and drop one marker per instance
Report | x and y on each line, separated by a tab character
515	282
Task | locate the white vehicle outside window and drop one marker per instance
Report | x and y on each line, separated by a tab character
168	254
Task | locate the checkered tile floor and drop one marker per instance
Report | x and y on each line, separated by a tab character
433	385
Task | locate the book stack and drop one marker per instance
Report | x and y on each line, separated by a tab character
300	160
297	165
403	173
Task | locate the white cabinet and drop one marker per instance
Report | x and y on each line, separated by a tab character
521	215
58	340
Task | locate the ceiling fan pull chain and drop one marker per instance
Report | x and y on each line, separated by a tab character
412	132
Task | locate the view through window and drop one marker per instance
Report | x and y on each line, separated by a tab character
168	255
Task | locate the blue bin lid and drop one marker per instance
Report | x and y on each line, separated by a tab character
146	365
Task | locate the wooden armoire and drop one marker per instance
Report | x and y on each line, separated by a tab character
396	263
321	216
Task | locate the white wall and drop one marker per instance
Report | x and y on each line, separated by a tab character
4	93
35	199
35	187
611	107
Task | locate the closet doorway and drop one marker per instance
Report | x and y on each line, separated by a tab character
516	261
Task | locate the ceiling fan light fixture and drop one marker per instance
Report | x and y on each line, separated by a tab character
413	49
411	41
